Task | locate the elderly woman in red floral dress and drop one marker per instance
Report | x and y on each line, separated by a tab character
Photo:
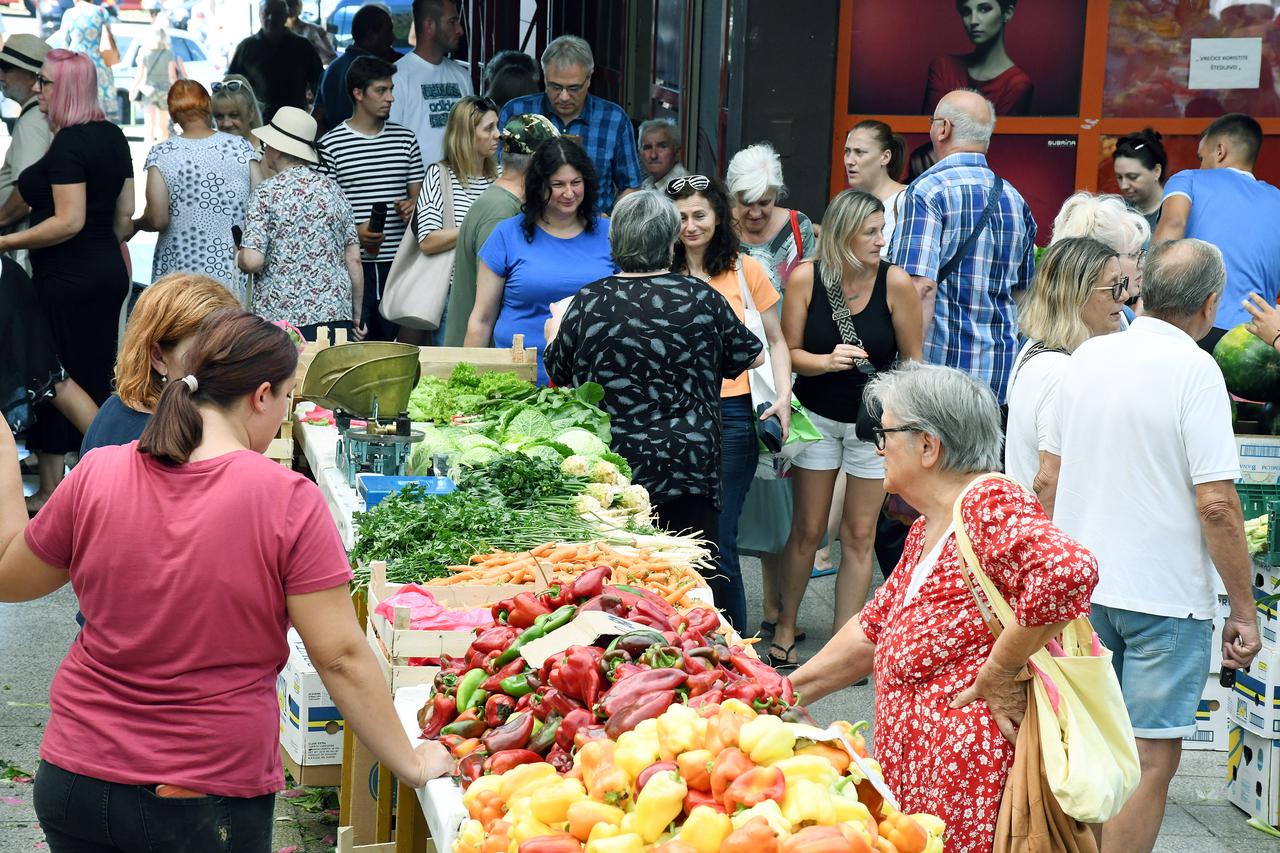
948	702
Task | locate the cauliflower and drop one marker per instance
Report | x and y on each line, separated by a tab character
605	472
602	492
586	505
575	466
634	498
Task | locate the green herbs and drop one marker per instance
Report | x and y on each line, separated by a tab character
520	482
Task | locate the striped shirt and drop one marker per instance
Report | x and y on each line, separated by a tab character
606	134
371	169
431	201
975	323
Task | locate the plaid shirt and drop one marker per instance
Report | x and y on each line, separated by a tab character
606	135
975	324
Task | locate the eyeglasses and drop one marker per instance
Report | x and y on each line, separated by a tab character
43	81
1118	289
230	86
557	88
697	182
881	432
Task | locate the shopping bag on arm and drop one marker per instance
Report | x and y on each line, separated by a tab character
1086	740
417	287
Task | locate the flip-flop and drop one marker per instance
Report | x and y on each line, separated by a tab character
783	661
770	627
824	573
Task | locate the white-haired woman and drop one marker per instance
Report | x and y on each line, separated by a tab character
661	344
1107	219
1078	292
943	751
835	359
779	239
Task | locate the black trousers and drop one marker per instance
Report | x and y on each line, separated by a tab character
80	814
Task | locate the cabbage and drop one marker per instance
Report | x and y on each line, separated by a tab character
527	424
582	442
541	450
473	440
477	457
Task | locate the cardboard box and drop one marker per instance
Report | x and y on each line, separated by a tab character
312	775
1221	611
1253	774
310	725
1213	718
1255	702
1259	458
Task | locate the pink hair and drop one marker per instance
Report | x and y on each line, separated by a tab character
74	99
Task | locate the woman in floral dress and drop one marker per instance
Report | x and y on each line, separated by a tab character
948	698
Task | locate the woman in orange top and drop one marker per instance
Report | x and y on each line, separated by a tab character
708	249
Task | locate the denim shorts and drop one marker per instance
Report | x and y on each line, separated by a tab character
1162	663
840	449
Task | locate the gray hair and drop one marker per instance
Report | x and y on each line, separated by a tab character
966	128
666	125
1180	275
953	407
568	50
515	161
753	172
643	231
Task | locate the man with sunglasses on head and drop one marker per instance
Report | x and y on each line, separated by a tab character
430	82
601	127
20	63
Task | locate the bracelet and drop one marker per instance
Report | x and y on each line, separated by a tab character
1273	340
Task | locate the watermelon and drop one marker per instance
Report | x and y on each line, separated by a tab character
1250	366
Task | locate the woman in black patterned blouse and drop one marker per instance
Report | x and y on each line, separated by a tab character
660	344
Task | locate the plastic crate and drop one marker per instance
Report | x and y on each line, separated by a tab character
1258	499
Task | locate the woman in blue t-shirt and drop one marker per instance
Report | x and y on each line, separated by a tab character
554	247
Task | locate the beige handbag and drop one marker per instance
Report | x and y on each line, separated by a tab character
417	287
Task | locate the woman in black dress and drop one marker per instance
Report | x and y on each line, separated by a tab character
81	198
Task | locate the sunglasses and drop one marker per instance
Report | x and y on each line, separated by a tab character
487	105
697	182
1118	289
230	86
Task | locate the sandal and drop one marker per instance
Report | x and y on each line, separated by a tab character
770	627
783	661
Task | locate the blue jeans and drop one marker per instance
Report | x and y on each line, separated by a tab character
80	814
738	455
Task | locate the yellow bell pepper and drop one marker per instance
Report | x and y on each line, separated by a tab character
678	731
518	807
811	767
637	750
849	809
585	815
735	706
624	843
648	727
770	811
528	827
808	802
550	804
470	838
705	829
479	786
603	830
932	824
517	778
661	802
767	739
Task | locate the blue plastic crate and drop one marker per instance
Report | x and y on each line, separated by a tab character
372	488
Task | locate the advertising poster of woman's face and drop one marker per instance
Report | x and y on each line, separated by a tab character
1023	55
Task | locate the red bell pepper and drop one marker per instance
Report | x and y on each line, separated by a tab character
703	620
560	842
470	768
656	767
558	703
606	603
635	686
578	674
576	719
728	766
587	733
648	708
754	787
702	682
590	583
443	709
776	687
560	759
491	683
701	798
513	734
747	692
710	699
501	762
493	639
626	670
522	610
497	708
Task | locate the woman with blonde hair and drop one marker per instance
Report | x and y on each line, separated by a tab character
235	108
158	68
470	149
1077	292
1108	219
847	315
161	329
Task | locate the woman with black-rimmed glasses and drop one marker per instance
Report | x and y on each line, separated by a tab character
1078	292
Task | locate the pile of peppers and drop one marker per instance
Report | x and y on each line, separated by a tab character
494	712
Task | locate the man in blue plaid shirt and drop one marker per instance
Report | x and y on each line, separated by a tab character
970	317
601	127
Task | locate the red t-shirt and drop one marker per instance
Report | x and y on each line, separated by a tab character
1011	91
182	575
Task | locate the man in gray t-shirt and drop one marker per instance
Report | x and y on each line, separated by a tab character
520	138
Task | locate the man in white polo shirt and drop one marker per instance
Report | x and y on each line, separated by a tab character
1148	464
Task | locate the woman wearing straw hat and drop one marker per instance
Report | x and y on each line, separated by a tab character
309	275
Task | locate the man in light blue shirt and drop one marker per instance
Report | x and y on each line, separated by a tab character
1224	204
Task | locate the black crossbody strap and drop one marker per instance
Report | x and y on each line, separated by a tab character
840	313
993	202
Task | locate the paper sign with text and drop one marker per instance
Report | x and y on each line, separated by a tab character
1227	63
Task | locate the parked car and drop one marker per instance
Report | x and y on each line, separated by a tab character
195	62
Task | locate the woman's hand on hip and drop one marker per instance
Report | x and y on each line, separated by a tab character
1004	693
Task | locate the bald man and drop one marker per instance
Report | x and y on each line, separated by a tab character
967	239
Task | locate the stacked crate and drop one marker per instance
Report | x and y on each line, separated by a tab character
1253	704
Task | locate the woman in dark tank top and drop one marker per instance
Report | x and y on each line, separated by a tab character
833	367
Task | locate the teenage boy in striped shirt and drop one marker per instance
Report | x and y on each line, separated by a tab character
375	161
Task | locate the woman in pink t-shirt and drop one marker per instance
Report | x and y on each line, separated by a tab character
191	554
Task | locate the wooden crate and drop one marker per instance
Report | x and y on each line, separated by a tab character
520	360
397	671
